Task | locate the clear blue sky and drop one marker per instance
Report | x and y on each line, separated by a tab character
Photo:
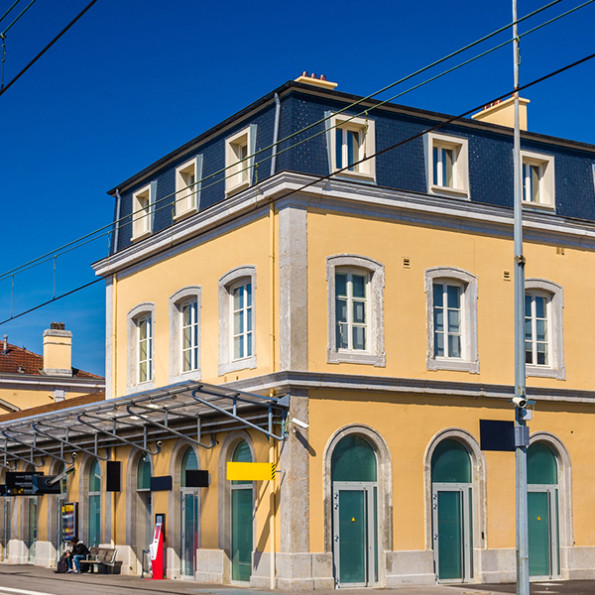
134	79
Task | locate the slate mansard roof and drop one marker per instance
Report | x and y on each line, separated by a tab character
402	168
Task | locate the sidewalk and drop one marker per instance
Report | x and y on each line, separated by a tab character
46	580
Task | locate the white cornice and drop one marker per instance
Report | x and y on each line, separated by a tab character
360	199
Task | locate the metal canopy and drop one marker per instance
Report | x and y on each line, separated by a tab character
188	411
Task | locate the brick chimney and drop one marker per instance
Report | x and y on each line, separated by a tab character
502	112
57	350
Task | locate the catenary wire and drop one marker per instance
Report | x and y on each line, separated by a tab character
8	10
318	179
93	235
46	48
18	16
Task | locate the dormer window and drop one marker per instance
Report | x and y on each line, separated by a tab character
141	212
447	165
238	161
187	188
538	180
352	146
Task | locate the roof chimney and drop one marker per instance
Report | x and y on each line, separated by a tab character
502	113
57	350
312	79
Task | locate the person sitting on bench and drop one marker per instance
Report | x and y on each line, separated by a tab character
78	552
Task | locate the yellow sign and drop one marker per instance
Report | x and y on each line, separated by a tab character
251	471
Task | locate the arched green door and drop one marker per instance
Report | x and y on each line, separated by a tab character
355	512
542	477
190	520
452	513
242	507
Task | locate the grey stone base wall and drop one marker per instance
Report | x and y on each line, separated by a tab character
45	554
18	552
294	572
130	564
409	568
212	566
495	566
579	562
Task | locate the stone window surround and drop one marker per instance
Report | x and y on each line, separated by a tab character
233	182
367	126
385	490
469	344
460	164
178	299
196	164
375	354
226	282
547	182
479	486
556	368
132	384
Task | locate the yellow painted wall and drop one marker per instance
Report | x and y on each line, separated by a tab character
405	300
408	423
24	399
202	265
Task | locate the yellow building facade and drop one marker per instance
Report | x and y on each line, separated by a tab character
349	318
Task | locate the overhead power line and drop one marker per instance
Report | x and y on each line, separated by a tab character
46	48
318	179
8	11
106	229
17	17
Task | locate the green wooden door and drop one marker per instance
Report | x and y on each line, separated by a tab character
539	534
449	518
241	533
189	531
355	533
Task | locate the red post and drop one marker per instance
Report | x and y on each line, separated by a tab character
157	553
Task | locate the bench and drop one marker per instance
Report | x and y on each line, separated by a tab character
103	559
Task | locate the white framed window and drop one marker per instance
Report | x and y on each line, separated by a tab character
185	334
538	180
356	310
188	187
349	141
239	160
145	348
142	202
544	340
451	297
237	342
141	332
241	319
447	165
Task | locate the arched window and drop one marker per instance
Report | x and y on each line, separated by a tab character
451	300
94	504
237	319
356	310
184	330
544	336
140	335
190	515
242	505
542	479
452	513
355	511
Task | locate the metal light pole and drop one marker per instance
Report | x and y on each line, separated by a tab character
521	431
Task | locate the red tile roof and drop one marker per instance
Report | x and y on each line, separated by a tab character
18	360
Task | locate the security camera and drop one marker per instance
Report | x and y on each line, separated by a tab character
159	443
74	455
300	423
519	402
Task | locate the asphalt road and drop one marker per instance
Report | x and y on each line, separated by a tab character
30	580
